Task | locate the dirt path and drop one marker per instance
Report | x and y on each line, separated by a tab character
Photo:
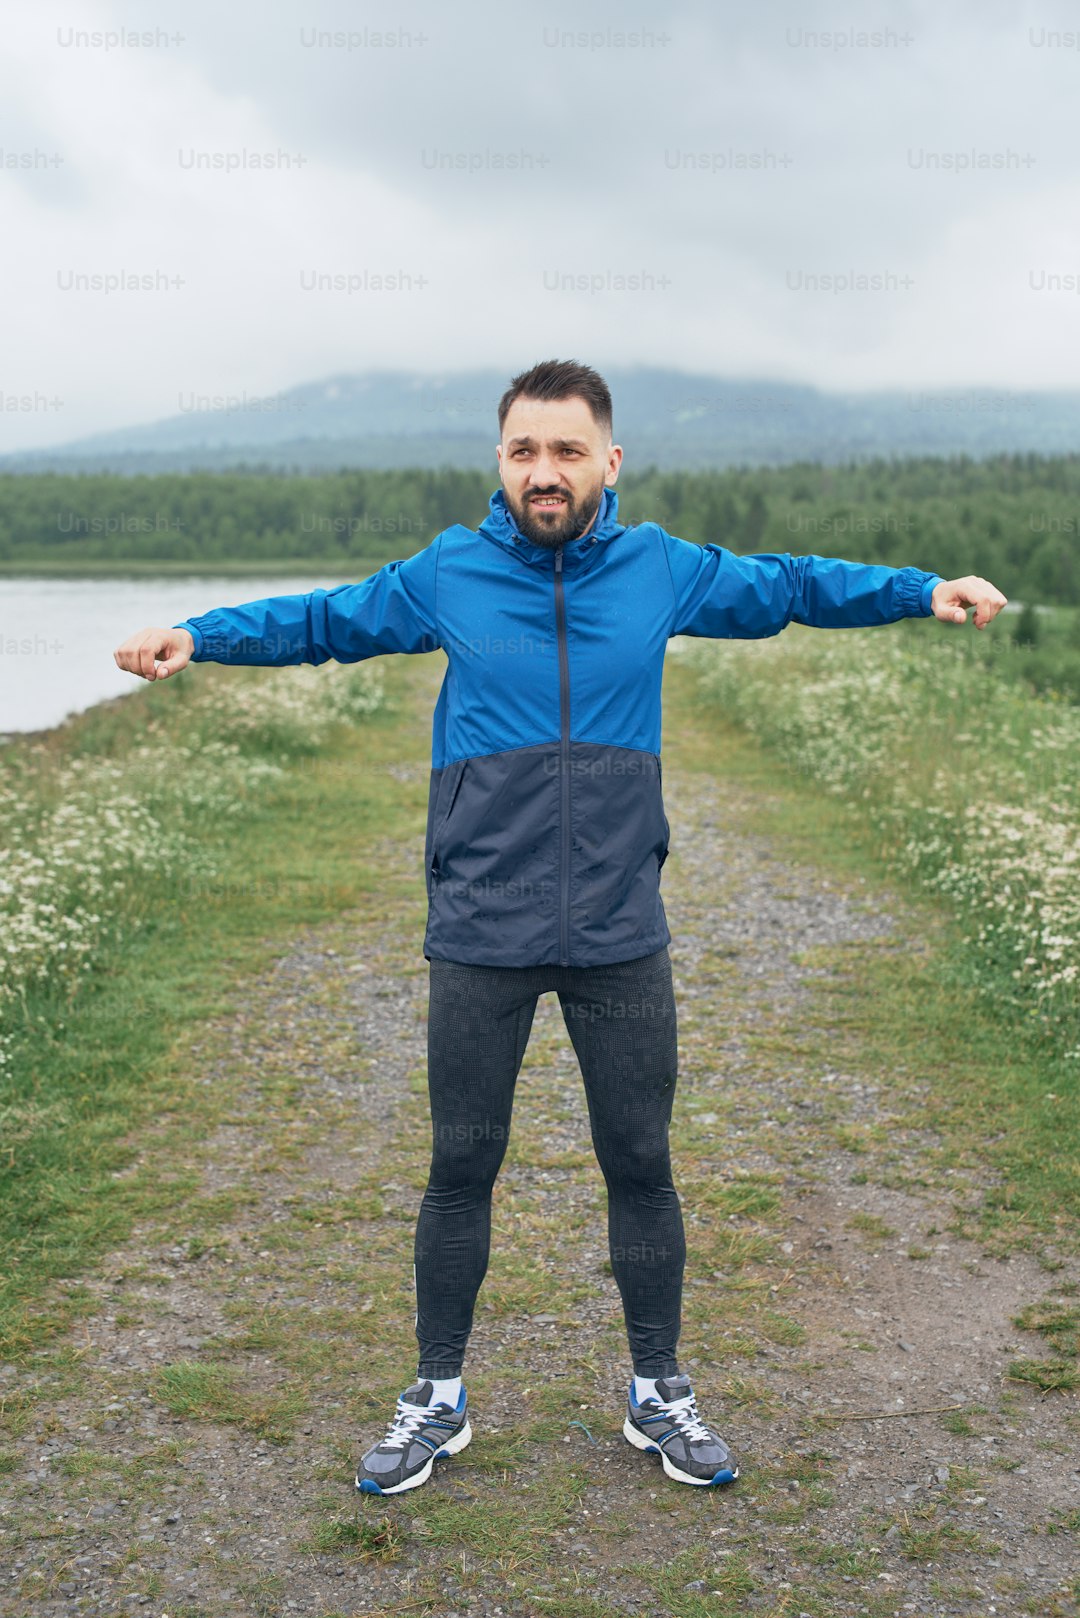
190	1450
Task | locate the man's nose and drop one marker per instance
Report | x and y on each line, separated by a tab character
546	475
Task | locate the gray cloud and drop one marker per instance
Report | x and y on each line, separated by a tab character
508	166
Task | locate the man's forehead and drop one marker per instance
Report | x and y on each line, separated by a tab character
552	421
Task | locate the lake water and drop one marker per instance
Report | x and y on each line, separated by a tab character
57	635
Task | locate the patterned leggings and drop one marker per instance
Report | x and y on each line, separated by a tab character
621	1020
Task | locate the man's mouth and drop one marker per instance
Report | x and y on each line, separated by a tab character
547	501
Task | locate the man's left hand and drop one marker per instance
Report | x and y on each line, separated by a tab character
952	597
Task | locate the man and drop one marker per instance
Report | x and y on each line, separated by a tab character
545	837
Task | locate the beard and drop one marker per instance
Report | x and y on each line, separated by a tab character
555	527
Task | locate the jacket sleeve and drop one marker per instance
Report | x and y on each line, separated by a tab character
392	611
748	597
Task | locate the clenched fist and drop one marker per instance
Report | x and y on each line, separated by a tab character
155	653
951	598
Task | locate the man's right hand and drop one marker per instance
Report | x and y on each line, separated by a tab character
141	652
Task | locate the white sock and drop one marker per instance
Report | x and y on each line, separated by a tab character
645	1387
447	1387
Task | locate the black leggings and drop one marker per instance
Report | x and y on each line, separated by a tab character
621	1020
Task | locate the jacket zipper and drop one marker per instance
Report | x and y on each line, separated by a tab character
564	775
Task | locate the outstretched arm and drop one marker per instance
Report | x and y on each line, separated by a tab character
392	611
719	594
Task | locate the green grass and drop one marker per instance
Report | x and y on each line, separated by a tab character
1048	1375
194	1390
930	1544
780	1329
346	1534
1056	1319
961	1479
750	1195
871	1226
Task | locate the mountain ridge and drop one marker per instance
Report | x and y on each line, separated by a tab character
666	418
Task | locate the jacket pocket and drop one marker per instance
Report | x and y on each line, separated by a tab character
667	828
451	789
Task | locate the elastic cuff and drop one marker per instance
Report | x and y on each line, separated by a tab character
926	592
196	634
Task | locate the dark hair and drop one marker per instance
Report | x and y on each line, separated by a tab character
560	379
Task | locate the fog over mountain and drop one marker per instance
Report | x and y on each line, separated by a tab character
665	418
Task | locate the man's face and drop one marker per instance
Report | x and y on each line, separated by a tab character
554	463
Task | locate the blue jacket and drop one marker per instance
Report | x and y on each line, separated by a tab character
546	828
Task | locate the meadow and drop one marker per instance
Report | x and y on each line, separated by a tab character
117	827
966	777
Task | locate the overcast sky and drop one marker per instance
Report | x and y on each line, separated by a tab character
481	175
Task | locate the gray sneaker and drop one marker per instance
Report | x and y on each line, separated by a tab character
418	1434
691	1451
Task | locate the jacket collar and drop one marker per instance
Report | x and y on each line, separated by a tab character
500	526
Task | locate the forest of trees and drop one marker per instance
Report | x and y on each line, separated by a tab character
1014	519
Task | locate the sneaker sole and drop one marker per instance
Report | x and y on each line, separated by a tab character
451	1447
726	1474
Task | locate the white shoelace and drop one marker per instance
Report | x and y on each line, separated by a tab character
684	1413
407	1421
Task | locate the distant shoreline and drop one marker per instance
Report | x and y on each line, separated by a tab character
40	732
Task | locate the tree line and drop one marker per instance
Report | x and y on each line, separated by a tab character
1012	518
